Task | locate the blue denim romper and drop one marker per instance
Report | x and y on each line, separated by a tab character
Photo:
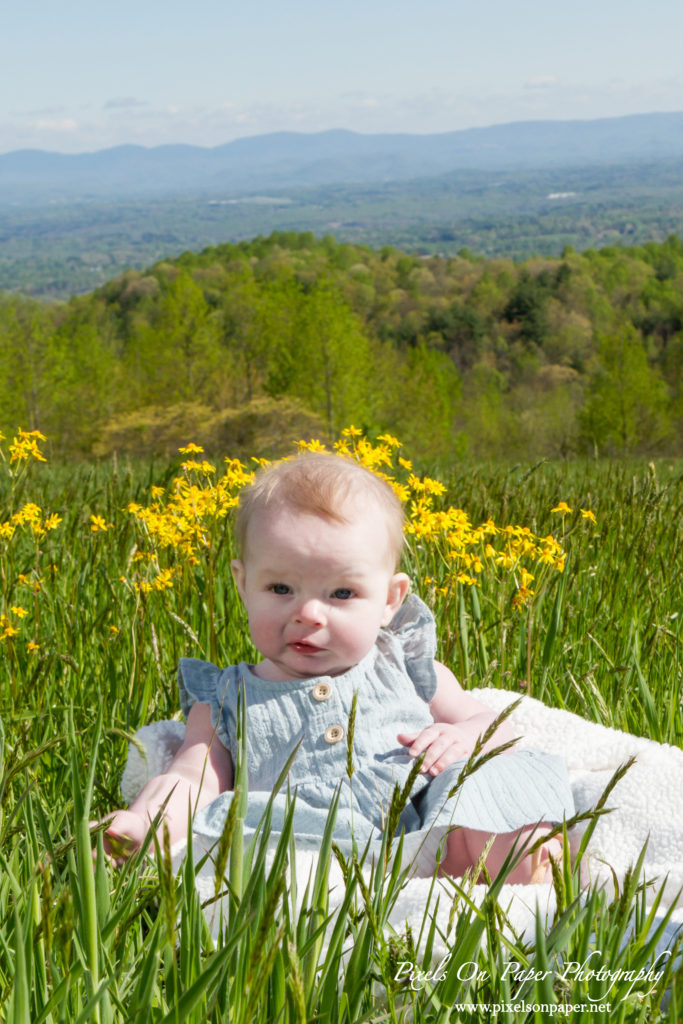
395	682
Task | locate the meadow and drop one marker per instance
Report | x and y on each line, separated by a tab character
563	580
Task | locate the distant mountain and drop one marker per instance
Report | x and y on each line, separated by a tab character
288	159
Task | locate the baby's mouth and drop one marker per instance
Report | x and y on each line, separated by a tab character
303	647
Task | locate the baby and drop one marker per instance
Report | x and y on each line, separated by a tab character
320	539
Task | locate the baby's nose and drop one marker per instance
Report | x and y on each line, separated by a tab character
311	612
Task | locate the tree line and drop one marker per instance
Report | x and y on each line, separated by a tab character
246	344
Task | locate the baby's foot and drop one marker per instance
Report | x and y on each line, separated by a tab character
541	868
125	833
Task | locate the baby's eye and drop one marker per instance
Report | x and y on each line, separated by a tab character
342	593
280	588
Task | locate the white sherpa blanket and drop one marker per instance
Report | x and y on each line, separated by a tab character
647	807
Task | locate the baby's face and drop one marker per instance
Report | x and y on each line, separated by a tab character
316	591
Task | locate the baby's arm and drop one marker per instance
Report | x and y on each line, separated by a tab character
459	720
201	770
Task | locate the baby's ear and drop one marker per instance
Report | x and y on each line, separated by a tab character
237	566
399	585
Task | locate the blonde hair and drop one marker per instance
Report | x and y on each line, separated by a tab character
325	485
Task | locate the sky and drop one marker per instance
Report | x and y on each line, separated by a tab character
78	77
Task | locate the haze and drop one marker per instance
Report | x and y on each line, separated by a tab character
78	77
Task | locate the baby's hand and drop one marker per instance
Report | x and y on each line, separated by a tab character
442	743
124	835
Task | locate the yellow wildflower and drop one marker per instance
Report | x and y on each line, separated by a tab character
97	524
433	486
191	449
18	611
193	466
25	446
522	597
32	647
372	456
562	507
526	576
164	581
312	446
587	514
390	440
400	489
462	577
29	513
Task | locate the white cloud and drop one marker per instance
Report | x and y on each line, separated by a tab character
368	103
123	103
43	111
541	82
56	126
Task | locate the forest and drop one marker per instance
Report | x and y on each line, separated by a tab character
243	346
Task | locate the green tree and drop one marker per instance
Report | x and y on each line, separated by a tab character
484	419
527	307
82	371
175	357
244	336
462	330
421	399
269	343
325	361
627	404
25	330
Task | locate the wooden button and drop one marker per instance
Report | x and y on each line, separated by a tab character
334	734
322	691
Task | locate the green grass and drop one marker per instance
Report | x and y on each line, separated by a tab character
602	639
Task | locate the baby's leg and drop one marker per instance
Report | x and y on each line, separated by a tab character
465	846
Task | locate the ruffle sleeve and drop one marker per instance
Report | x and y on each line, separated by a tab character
204	683
414	631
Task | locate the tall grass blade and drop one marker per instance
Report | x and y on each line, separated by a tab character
553	629
19	1006
87	892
